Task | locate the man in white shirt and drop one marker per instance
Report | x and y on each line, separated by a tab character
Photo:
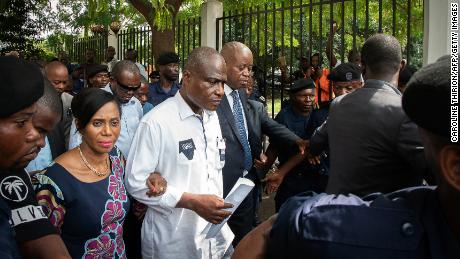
181	138
125	80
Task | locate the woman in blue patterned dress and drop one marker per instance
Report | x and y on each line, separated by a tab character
83	192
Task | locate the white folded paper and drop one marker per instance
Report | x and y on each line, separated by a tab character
236	195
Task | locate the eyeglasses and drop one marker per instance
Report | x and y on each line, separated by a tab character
127	88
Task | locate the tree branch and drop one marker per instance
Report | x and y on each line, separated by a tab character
145	8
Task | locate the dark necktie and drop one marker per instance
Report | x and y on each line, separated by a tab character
239	121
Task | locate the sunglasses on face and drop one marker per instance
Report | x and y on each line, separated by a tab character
127	88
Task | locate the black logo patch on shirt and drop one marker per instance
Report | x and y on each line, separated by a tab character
187	147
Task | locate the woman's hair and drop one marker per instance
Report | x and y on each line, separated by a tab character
88	102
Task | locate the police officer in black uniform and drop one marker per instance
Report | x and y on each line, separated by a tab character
418	222
22	220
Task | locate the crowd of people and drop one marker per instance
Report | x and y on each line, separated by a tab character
106	161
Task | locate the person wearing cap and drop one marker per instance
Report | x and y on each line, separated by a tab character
373	146
131	55
345	79
98	76
294	174
167	86
22	221
418	222
154	76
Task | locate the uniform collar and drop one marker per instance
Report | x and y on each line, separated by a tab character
160	90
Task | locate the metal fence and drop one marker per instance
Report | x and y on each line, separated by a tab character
298	28
139	39
187	37
78	47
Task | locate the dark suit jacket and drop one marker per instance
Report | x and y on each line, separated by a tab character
258	123
373	146
57	141
59	136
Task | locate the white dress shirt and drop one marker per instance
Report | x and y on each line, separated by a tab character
43	159
163	143
142	70
228	92
131	114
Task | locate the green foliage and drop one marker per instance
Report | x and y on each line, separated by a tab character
18	30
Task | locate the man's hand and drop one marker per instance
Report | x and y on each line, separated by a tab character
302	145
210	207
156	184
313	160
273	181
261	163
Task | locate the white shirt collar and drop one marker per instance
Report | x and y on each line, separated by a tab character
184	109
227	90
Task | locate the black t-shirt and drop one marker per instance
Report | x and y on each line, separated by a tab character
27	217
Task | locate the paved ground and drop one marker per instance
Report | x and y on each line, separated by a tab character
267	207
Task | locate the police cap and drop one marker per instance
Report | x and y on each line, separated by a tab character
95	69
168	58
303	83
345	72
21	85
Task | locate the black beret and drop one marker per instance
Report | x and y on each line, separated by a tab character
21	85
303	83
154	74
167	58
345	72
94	69
426	100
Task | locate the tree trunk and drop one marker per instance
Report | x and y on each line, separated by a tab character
161	40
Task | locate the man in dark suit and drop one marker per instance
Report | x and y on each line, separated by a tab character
242	132
373	146
56	73
416	222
